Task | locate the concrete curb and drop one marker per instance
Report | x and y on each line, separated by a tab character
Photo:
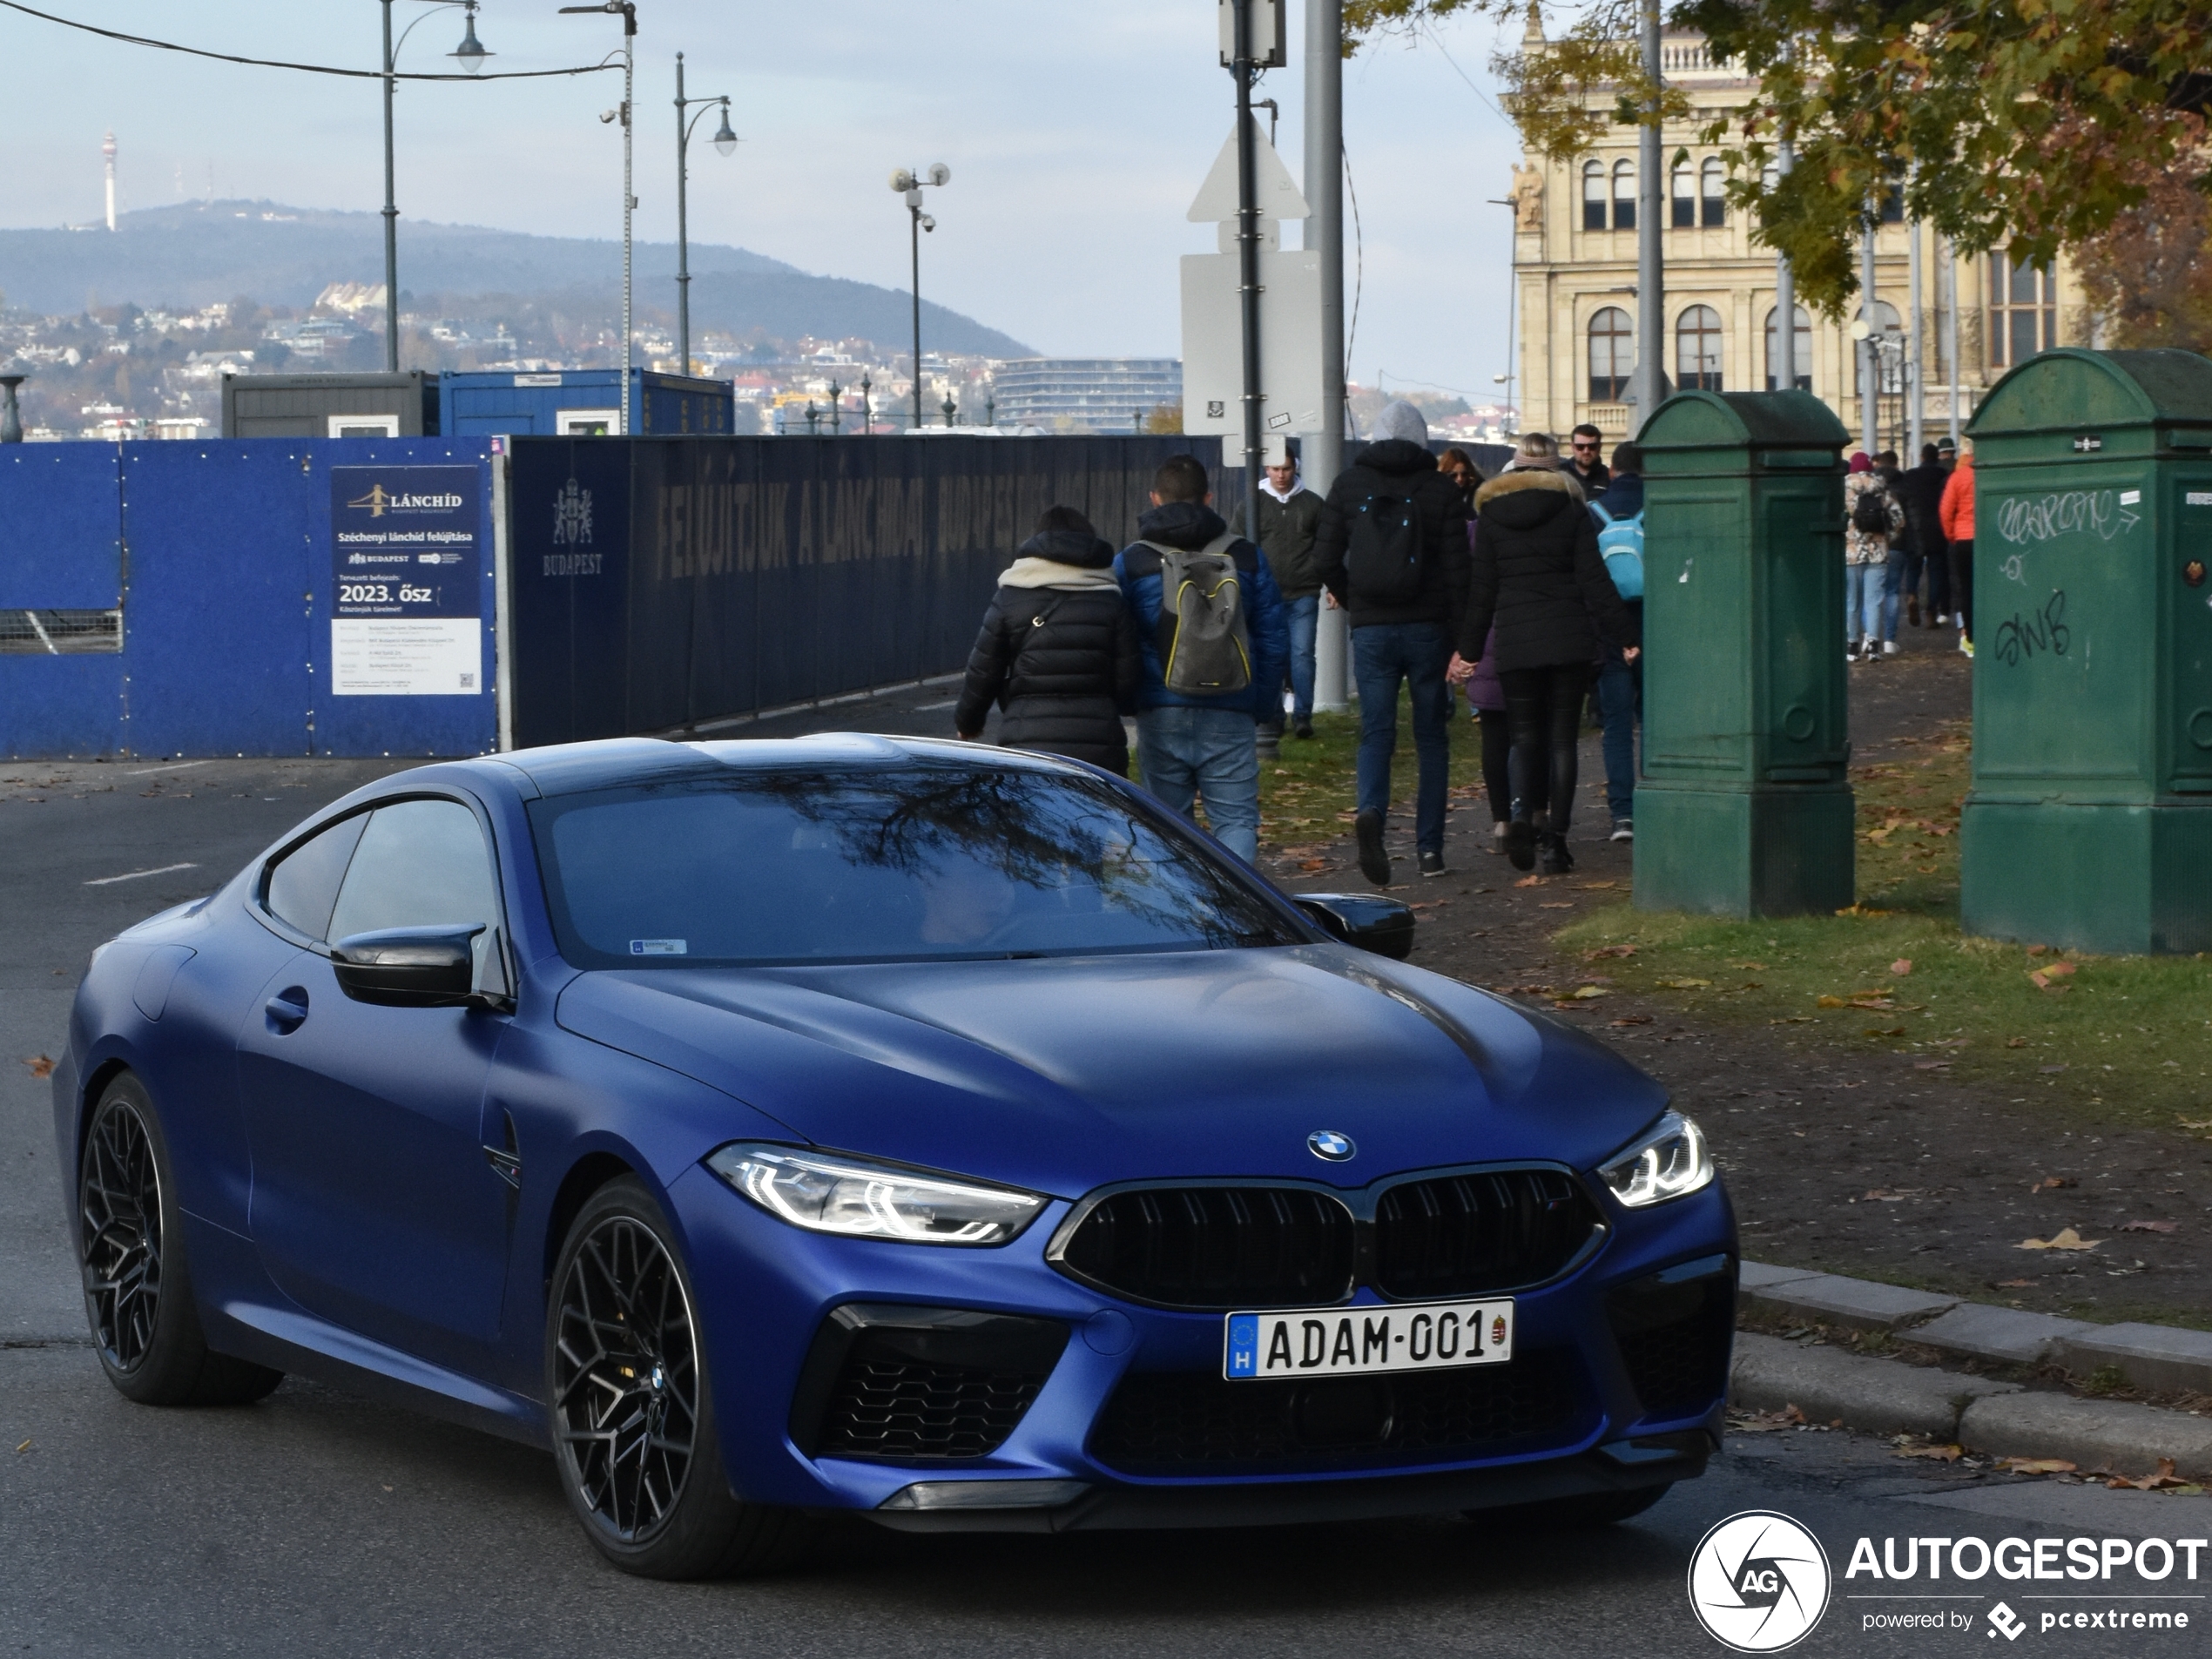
1981	1414
2166	1358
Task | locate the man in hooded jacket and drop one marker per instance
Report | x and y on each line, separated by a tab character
1397	640
1191	745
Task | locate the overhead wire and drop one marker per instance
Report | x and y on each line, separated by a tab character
305	69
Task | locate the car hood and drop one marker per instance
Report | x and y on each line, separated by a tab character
1063	1074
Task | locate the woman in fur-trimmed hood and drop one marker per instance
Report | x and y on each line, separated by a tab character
1538	577
1058	650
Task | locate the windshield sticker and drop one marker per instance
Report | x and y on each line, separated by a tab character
659	947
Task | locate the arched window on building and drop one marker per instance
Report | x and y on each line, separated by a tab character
1592	195
1683	195
1888	330
1613	354
1802	350
1624	195
1697	350
1714	197
2023	311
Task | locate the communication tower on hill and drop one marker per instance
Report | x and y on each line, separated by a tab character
107	149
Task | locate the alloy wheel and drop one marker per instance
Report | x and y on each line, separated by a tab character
120	1221
625	1377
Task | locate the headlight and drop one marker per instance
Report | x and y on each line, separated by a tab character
827	1193
1670	1162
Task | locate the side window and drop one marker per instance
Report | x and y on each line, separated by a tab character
421	864
303	885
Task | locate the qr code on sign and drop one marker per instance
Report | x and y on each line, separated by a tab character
468	682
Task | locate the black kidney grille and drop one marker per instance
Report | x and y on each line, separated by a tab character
882	1406
1216	1247
1192	1422
1470	1235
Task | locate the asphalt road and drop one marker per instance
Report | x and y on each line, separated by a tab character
317	1523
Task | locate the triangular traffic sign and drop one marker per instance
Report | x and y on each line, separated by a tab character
1273	191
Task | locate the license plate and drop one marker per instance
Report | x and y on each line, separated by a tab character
1429	1335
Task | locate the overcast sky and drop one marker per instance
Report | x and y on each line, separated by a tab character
1076	136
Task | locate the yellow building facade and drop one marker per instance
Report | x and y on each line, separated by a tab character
1575	268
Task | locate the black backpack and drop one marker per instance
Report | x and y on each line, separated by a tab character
1871	513
1383	551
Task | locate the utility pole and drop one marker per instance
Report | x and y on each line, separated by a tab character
1947	297
726	141
391	218
1323	452
627	11
1784	366
1870	355
1248	255
1651	306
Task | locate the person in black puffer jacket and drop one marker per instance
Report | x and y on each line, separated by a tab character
1058	650
1538	576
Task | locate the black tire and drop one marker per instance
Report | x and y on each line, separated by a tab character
1584	1513
137	1286
632	1415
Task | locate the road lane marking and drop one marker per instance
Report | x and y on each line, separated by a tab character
134	875
181	766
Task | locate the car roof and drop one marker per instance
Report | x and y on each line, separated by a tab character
572	768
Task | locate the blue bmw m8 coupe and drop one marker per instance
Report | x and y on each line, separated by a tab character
943	1135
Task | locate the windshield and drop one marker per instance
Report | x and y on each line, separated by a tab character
912	863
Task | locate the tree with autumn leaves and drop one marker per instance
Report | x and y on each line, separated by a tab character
2028	126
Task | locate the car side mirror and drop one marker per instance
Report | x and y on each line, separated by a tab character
1383	926
409	968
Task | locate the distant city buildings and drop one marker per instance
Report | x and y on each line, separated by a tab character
1084	393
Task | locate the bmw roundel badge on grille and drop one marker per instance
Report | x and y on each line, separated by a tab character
1328	1143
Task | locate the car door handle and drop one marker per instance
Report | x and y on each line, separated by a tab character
286	1011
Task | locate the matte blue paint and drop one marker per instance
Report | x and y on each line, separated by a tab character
343	1222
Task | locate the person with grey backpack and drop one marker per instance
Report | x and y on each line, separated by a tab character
1214	642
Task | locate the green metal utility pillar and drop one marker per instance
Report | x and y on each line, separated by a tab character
2089	823
1744	805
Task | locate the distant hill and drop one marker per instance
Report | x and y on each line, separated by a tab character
197	252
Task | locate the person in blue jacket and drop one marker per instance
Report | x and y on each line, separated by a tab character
1190	746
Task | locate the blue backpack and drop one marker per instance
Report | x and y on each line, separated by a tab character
1621	541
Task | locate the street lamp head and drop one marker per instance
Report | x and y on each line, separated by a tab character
470	54
940	173
726	140
902	181
1859	329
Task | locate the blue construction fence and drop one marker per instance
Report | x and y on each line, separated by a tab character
263	596
663	585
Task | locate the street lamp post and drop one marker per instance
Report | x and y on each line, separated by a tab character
470	54
725	141
10	413
909	186
627	11
836	409
868	407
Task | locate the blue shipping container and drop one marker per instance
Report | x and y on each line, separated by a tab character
582	402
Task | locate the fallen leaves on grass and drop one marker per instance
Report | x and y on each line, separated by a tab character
2044	978
2064	1238
2194	1123
1584	993
1767	1422
1931	1065
1901	967
2016	1042
2054	1181
1883	1031
1557	904
1687	984
1631	1019
2052	1071
1530	882
1603	951
2015	1284
1941	1454
2037	1465
1310	864
1861	910
1595	886
2149	1226
2037	950
40	1066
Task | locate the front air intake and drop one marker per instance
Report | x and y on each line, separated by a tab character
1214	1247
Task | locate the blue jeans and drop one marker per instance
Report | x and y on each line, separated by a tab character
1187	753
1862	601
1616	702
1892	591
1306	617
1383	655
